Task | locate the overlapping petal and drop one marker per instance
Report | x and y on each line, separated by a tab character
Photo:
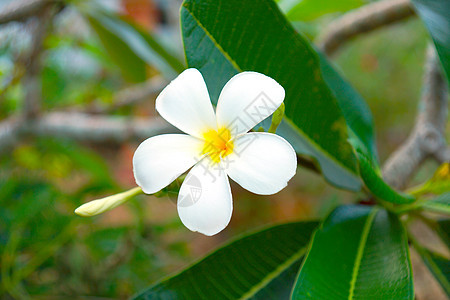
205	202
185	104
262	163
247	99
161	159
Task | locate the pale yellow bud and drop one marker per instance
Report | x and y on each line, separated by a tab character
99	206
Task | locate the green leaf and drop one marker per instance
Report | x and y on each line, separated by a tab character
444	231
264	41
132	48
359	252
440	204
261	265
355	110
438	265
436	16
133	67
371	174
307	10
80	157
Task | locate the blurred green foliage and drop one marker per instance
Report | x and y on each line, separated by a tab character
46	250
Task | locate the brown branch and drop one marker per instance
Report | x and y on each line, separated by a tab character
427	138
82	127
9	133
442	155
32	80
132	95
20	10
362	20
93	129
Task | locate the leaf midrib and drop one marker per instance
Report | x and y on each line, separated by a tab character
275	273
239	69
228	57
360	251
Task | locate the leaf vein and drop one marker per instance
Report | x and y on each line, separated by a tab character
235	65
280	269
360	251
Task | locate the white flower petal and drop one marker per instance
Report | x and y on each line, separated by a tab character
185	104
161	159
262	163
205	202
247	99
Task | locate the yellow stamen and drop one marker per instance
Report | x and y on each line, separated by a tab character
218	144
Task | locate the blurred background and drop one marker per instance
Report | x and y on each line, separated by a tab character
81	63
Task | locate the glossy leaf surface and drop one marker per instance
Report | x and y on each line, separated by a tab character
257	37
359	252
262	265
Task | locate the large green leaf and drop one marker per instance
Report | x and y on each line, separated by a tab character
436	16
359	252
440	204
254	35
355	110
262	265
132	48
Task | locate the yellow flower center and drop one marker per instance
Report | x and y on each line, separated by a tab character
218	144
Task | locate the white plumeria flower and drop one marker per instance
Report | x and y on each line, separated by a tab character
216	146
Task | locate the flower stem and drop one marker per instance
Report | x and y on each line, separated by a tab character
277	117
